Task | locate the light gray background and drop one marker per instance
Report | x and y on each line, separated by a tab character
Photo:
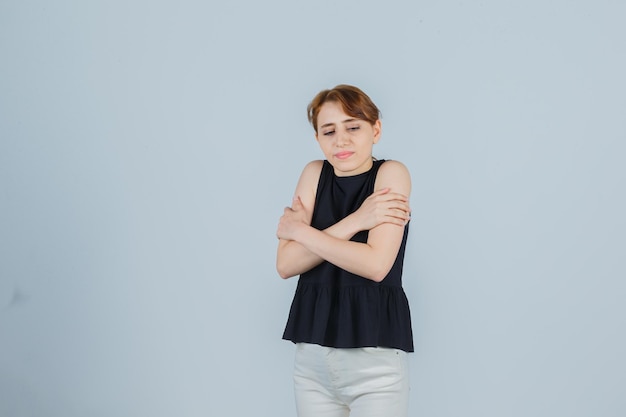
148	148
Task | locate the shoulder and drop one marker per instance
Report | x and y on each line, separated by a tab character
313	167
311	171
395	175
394	169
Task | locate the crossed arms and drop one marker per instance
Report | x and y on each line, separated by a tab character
384	213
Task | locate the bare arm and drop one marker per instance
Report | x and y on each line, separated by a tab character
383	206
371	260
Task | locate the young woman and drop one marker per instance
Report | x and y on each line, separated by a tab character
345	235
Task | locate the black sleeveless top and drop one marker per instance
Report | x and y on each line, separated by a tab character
333	307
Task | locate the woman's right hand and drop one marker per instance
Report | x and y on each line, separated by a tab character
383	206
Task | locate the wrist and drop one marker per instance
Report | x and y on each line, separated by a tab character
300	231
353	225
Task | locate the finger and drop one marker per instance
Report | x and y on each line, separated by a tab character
403	205
397	196
380	192
297	203
397	205
402	221
391	197
396	221
399	214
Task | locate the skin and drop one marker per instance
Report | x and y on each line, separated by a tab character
347	143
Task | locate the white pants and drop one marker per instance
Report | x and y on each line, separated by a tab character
359	382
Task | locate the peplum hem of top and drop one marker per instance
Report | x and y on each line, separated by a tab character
350	316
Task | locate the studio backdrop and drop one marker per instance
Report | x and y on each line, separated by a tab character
148	148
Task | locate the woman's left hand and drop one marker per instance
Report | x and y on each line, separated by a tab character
292	220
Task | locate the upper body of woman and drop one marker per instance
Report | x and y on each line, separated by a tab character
349	251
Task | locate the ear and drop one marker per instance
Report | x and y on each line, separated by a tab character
378	128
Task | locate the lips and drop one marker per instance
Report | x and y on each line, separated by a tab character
343	155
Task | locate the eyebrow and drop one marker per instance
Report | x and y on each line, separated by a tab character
345	121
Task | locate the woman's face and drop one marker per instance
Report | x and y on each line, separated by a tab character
346	142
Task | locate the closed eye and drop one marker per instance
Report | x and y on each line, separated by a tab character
354	128
329	133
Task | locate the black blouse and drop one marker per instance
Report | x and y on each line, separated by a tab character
333	307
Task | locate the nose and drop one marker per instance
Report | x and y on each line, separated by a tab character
342	138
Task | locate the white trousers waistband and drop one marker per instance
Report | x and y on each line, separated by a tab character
359	382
